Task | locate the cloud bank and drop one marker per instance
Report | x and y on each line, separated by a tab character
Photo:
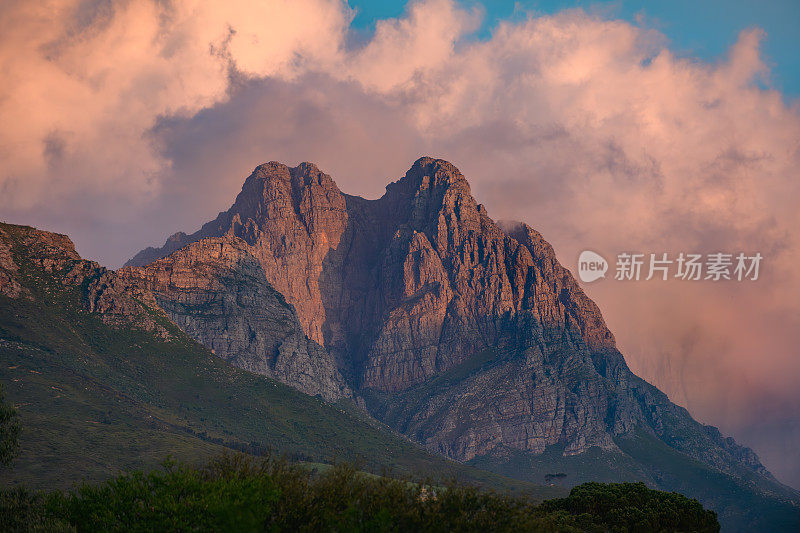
121	122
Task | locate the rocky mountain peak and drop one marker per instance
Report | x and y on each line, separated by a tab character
430	173
425	254
465	334
277	175
175	238
430	188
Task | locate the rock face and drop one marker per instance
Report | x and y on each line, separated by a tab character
218	293
465	335
9	285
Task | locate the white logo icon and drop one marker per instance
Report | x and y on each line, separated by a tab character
591	266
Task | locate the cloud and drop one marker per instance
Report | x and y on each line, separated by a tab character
123	122
405	48
83	82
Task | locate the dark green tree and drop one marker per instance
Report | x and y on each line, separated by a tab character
9	430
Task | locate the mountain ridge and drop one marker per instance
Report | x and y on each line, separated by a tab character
433	215
466	335
104	382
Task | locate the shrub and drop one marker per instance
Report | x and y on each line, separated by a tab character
633	507
237	493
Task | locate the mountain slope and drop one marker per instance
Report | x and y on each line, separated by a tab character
104	381
463	334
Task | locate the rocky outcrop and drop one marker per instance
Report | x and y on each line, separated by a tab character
9	285
465	334
148	255
102	291
217	292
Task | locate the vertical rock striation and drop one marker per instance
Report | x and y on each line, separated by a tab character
217	292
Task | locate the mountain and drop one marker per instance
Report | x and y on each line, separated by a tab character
104	382
466	335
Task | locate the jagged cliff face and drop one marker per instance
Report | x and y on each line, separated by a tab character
403	287
467	336
217	292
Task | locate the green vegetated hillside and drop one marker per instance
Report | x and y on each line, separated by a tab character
95	400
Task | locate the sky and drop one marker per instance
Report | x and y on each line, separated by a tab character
704	30
660	127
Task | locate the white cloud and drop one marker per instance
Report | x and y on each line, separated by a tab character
402	49
83	83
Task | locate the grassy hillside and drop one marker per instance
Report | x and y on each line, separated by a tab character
95	400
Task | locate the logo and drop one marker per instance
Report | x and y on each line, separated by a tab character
664	266
591	266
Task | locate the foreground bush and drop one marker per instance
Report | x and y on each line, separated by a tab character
234	493
632	507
